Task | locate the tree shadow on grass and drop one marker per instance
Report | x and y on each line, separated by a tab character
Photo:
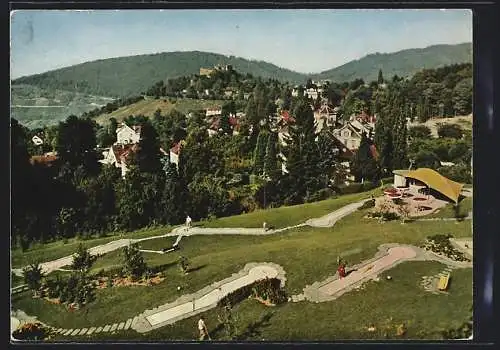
199	267
254	328
162	267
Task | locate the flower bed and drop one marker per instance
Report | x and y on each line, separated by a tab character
441	244
31	331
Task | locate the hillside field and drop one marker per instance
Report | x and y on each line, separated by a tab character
149	106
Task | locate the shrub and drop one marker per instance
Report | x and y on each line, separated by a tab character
354	187
368	185
135	265
183	264
389	216
450	130
419	131
33	277
83	260
367	204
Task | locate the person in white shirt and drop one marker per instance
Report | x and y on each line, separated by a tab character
202	327
188	222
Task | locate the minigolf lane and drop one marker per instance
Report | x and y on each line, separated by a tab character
206	299
394	255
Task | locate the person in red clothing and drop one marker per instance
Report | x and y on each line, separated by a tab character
341	270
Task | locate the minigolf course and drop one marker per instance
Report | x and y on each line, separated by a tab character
387	256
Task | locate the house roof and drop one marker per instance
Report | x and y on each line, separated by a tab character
352	127
436	181
46	159
121	152
286	117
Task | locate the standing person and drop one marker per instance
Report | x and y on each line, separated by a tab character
202	327
188	222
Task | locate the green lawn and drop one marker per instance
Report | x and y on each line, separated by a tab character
288	215
278	217
347	317
307	255
59	249
465	206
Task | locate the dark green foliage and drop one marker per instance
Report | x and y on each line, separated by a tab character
364	165
76	142
184	264
33	275
450	130
419	131
271	168
260	152
368	204
148	154
135	266
83	260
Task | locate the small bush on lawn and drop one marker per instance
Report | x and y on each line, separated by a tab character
33	277
31	331
83	260
134	262
184	264
368	204
389	216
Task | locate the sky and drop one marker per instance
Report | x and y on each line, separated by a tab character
306	41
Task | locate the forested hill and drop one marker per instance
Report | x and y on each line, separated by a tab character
402	63
125	76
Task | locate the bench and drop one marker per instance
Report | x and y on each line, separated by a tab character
443	282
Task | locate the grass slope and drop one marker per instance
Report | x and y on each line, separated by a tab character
148	108
288	215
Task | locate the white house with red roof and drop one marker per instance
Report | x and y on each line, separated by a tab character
118	155
175	152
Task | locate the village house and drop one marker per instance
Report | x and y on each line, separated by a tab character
325	116
118	154
209	112
174	153
349	136
285	119
126	135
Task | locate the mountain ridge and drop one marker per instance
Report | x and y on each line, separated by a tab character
127	75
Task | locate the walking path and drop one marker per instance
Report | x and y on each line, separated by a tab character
325	221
